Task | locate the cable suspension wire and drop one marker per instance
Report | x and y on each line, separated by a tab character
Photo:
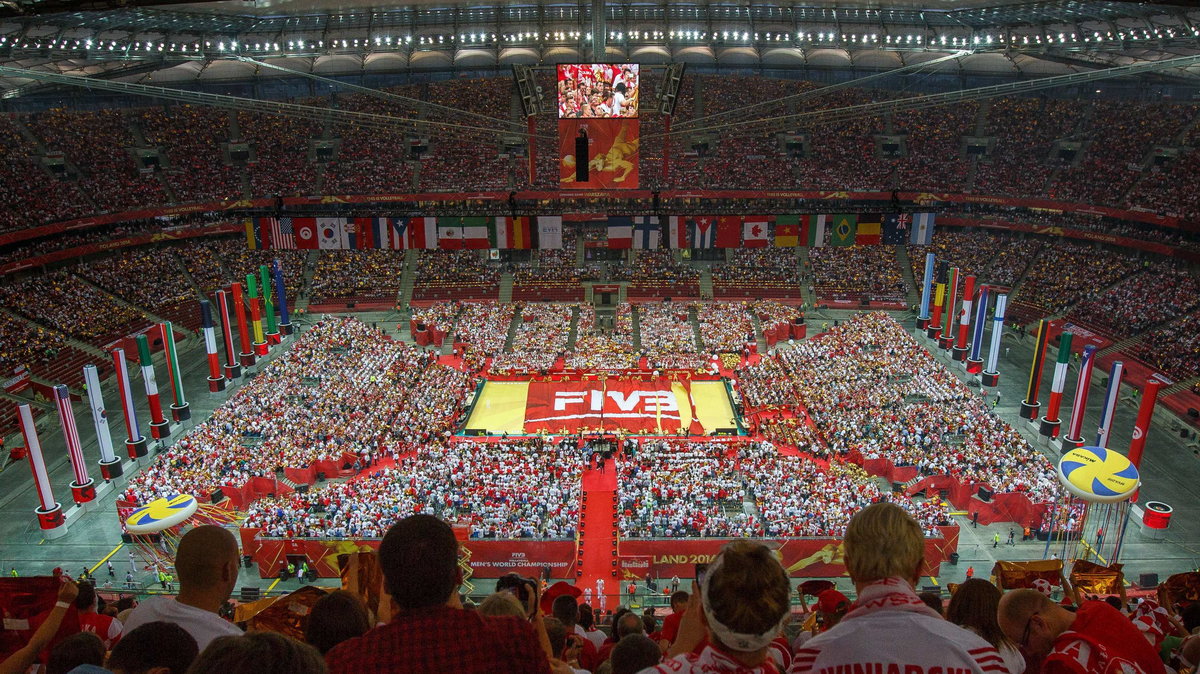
377	93
787	122
311	113
822	91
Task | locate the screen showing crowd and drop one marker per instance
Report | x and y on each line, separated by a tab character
597	90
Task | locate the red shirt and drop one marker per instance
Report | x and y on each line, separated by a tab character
670	626
1101	640
442	639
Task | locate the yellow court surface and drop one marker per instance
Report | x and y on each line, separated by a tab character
503	407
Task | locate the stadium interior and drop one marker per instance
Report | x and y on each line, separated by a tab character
603	285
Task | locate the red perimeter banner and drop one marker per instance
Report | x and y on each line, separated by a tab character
489	559
801	557
612	146
632	406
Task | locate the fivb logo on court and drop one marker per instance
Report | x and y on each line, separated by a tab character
650	401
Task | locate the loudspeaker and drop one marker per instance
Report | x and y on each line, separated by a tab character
581	157
897	487
126	538
250	594
1148	580
218	495
301	489
320	477
247	561
350	305
984	494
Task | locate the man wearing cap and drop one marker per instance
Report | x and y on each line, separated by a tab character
831	607
889	628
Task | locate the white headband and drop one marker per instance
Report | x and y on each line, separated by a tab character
744	643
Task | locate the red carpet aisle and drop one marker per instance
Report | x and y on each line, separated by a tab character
598	523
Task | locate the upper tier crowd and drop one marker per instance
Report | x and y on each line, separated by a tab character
71	163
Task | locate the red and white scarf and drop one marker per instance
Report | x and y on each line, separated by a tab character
889	594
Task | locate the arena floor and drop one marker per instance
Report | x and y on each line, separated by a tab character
1170	469
503	407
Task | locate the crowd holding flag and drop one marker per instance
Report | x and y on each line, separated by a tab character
624	232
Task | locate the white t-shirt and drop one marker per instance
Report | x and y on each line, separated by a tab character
202	625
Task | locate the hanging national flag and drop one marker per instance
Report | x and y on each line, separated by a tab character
812	230
646	232
450	234
620	231
787	231
512	233
306	233
702	231
381	232
477	232
868	231
844	226
363	234
253	239
729	231
419	233
677	232
333	234
550	232
922	228
895	228
754	231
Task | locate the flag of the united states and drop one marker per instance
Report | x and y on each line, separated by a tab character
283	235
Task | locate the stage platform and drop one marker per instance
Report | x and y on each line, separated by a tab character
632	404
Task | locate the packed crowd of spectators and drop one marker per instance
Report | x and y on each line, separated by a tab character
1159	292
373	159
725	327
758	271
667	336
1173	348
22	344
871	390
204	266
240	261
64	240
1025	130
191	136
510	490
281	148
540	339
367	274
854	272
1067	271
484	326
62	301
597	349
29	194
147	277
342	388
445	274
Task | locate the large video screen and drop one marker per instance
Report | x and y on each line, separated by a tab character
592	90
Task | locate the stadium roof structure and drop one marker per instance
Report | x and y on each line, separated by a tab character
149	42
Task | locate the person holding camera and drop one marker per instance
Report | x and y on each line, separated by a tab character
430	631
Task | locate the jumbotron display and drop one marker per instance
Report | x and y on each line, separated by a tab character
597	90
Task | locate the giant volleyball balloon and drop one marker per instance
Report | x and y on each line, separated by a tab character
1097	474
160	514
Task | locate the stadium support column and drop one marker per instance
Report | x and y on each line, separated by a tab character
49	512
216	382
110	466
83	488
246	355
285	322
926	289
1074	436
233	368
135	443
599	32
964	319
946	340
531	143
159	427
260	343
935	325
1141	427
991	376
666	164
268	308
180	409
1051	423
1109	411
1031	404
974	362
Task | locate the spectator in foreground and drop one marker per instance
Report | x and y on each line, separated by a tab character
258	653
633	654
81	648
431	632
889	627
154	648
741	608
973	606
20	662
501	604
670	627
207	563
336	617
1095	638
106	627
